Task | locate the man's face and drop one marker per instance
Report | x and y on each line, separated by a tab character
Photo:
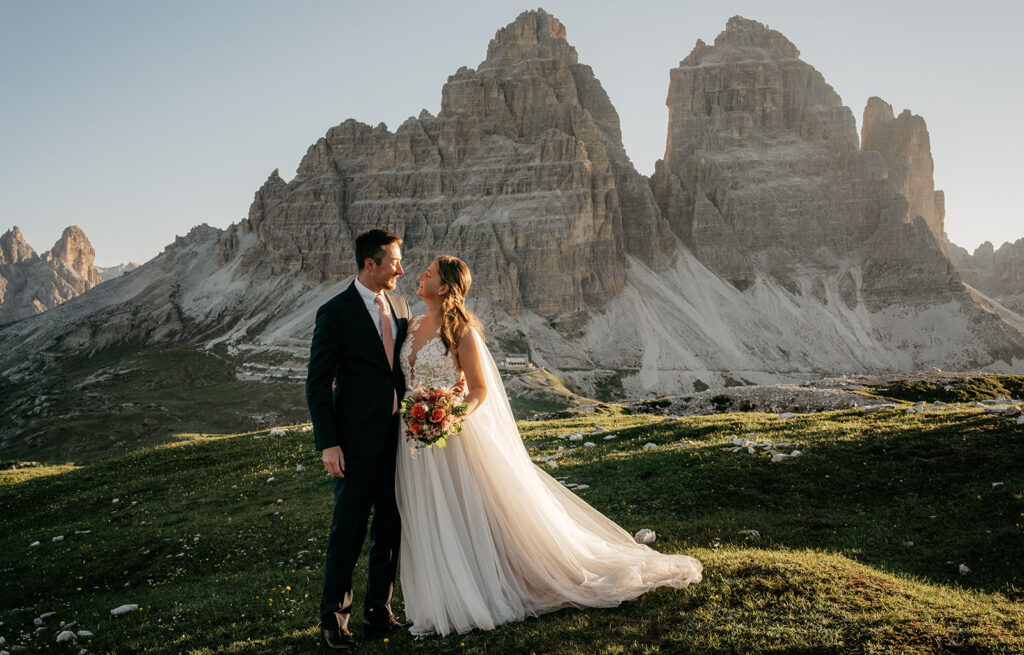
385	275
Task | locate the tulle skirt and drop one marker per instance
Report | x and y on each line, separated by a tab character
489	538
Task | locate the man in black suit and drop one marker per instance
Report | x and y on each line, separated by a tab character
355	347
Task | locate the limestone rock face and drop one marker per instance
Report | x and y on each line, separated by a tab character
905	146
522	174
763	175
999	274
30	283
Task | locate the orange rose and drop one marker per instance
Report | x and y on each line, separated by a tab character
418	411
415	428
437	415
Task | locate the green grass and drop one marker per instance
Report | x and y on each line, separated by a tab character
218	565
951	388
137	399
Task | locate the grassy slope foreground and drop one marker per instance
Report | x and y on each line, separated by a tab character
220	541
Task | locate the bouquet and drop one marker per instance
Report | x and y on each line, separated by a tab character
432	414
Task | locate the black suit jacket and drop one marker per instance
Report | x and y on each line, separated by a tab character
348	354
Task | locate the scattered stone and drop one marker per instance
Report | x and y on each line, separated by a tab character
115	501
576	437
964	570
123	609
84	634
598	429
1020	420
867	409
552	464
300	467
270	479
750	533
82	531
908	544
34	543
581	487
610	436
306	428
684	443
787	415
276	432
59	537
589	444
66	636
650	446
996	484
563	436
645	536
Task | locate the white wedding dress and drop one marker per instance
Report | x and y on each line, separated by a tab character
489	538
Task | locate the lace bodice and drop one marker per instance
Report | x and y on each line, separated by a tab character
430	362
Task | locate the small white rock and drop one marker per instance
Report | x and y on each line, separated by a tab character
553	464
82	531
589	444
576	437
276	432
908	544
650	446
787	415
115	501
581	487
645	536
1020	420
781	457
123	609
280	500
996	484
59	537
270	479
66	636
300	467
34	543
598	429
610	436
563	436
964	570
752	533
84	634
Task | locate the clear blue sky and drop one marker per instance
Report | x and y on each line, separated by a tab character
137	120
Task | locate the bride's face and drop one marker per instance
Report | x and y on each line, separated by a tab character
430	283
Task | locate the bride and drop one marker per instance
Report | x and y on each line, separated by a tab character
487	536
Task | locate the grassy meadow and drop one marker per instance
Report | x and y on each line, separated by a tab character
858	545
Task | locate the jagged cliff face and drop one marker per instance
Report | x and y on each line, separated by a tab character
763	176
31	284
769	245
905	147
522	174
998	274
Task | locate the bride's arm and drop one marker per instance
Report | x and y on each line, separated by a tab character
469	361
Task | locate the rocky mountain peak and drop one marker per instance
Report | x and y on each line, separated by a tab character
30	284
535	34
742	39
904	144
14	248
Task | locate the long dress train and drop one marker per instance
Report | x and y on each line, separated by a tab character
488	537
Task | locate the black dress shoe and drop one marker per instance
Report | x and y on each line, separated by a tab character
380	621
337	639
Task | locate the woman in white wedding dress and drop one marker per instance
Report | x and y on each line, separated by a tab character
487	536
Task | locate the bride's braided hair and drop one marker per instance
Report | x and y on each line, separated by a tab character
454	315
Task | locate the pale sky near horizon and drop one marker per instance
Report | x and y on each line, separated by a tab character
138	120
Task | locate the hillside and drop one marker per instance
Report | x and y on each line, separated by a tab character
858	546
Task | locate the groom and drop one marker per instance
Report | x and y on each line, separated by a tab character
355	347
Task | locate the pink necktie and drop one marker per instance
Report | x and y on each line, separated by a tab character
386	336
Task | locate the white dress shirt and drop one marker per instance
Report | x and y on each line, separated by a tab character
371	307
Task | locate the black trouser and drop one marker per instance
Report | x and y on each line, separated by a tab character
368	482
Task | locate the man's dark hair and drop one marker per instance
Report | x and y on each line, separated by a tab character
371	245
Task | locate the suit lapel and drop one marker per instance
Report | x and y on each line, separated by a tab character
365	321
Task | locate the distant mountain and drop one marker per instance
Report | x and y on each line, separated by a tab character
110	272
32	283
772	242
998	274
